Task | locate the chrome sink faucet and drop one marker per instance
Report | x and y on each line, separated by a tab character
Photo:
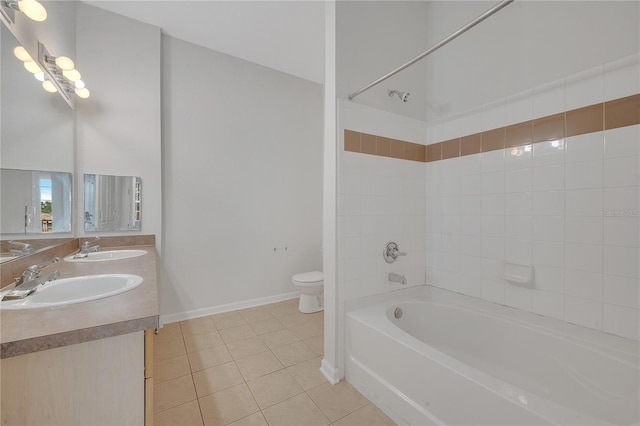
87	248
30	279
24	248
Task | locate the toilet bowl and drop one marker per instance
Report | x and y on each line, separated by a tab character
311	288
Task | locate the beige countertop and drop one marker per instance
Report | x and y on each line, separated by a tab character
31	330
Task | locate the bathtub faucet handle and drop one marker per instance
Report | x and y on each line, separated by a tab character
391	253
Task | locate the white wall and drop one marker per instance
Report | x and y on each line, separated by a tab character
526	44
242	165
118	127
375	37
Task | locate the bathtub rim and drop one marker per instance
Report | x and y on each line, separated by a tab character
374	314
623	347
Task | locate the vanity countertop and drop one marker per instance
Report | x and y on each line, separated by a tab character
32	330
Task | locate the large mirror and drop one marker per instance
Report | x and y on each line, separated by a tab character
37	138
35	202
112	203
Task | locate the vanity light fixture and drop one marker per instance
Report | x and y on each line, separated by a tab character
57	74
22	54
62	74
32	67
49	86
31	8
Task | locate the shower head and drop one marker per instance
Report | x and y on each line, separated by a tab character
404	96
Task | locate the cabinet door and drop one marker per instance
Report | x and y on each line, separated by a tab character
97	382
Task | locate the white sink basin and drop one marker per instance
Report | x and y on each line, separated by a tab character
75	290
101	256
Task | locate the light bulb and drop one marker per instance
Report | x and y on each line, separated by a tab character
32	67
83	93
65	63
39	76
79	84
49	87
33	10
22	54
72	75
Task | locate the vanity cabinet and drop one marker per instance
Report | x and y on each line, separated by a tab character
99	382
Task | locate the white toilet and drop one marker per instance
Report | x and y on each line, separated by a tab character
311	287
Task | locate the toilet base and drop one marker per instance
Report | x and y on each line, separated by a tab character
311	303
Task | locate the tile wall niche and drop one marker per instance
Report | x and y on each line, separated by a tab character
569	205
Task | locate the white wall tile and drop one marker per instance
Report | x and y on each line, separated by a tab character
471	245
471	184
587	174
548	304
588	147
493	182
548	228
470	164
621	171
519	158
518	250
583	284
622	261
493	290
583	312
622	231
585	88
493	226
622	142
549	178
621	201
622	321
519	227
493	248
548	153
518	297
348	205
549	278
621	77
518	203
349	247
584	257
548	253
584	202
492	161
470	285
622	291
493	204
583	229
518	180
470	205
548	203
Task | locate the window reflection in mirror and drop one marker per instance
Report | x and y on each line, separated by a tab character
35	201
112	203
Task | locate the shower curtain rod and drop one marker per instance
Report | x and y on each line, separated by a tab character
434	48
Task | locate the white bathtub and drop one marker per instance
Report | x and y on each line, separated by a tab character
456	360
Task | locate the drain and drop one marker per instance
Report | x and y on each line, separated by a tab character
397	313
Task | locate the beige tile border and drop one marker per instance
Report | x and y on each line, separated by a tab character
593	118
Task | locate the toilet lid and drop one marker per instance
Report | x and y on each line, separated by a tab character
309	277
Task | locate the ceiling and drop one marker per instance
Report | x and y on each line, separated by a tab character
287	36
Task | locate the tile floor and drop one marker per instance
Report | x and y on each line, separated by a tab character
257	366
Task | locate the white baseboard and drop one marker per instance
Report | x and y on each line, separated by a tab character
181	316
330	372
